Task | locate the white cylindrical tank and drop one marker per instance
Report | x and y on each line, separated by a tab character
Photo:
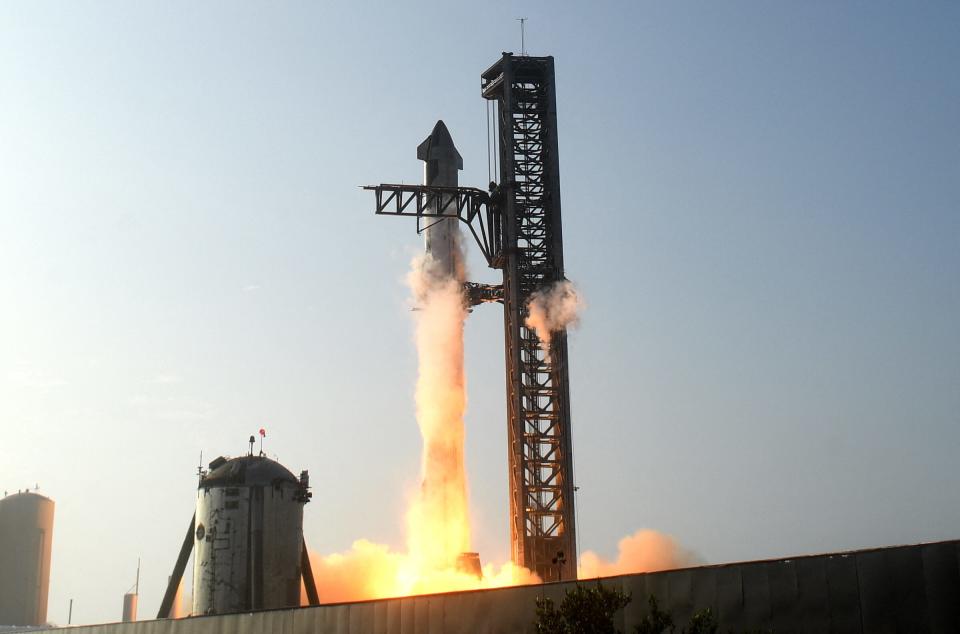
26	537
249	536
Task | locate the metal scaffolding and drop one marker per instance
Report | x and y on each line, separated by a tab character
542	526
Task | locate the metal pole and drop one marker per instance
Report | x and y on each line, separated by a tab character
70	613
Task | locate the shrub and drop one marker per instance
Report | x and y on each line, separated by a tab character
584	610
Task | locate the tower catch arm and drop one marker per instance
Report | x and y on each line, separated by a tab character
474	207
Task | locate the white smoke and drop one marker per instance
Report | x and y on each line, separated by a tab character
438	521
553	308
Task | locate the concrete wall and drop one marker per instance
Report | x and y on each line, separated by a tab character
907	589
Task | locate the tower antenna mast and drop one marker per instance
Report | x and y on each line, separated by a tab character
523	45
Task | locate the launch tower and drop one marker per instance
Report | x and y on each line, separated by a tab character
517	227
542	527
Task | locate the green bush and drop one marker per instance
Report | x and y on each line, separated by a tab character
584	610
660	622
590	610
702	623
657	622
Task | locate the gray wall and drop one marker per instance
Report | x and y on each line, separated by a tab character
907	589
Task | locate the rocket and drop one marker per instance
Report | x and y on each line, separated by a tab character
442	163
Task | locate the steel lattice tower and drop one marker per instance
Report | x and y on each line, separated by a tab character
517	227
542	520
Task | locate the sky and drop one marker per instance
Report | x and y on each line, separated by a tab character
761	209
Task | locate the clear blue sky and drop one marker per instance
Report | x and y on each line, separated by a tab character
762	207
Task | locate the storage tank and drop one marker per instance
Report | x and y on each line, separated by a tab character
249	536
130	600
26	537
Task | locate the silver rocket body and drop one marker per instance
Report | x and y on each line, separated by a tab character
442	163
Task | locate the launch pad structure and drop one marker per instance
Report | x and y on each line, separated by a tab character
517	225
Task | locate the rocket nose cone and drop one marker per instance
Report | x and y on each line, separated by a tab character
439	146
440	136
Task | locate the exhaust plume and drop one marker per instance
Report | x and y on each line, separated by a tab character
373	571
438	524
438	520
553	308
644	551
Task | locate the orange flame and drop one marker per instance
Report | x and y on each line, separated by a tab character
438	521
373	571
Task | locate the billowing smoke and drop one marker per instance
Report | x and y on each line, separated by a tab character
644	551
438	521
366	571
438	524
553	308
373	571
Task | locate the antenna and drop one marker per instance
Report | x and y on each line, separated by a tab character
252	440
523	47
136	584
263	434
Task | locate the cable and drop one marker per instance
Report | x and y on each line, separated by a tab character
489	173
496	145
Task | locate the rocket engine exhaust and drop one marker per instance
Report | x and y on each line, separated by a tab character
438	521
438	556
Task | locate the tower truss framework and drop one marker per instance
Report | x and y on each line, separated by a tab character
542	515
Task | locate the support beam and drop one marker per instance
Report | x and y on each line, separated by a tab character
178	569
306	571
474	207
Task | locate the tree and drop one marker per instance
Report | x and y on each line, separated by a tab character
590	610
703	622
657	622
584	610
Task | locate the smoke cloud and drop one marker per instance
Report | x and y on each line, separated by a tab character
553	308
644	551
438	520
373	571
438	524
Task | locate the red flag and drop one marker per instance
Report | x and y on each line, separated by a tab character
263	432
